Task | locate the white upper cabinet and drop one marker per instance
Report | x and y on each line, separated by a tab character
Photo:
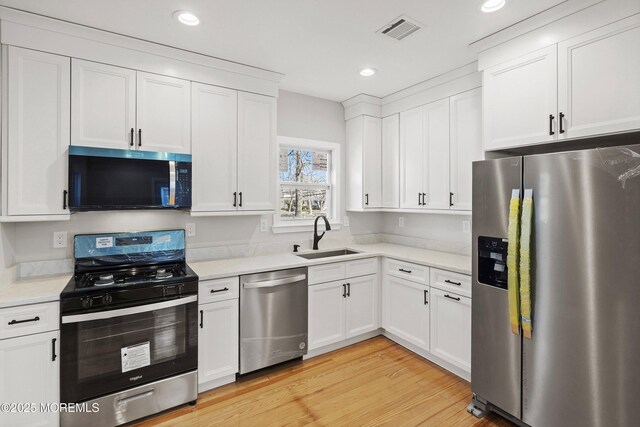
465	144
37	131
599	80
163	113
372	162
214	146
436	151
411	158
257	152
391	161
103	105
364	157
520	100
424	156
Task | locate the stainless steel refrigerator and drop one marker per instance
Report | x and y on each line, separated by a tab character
582	364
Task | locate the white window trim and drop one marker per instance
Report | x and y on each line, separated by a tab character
302	225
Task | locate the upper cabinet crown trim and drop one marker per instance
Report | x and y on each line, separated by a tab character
50	35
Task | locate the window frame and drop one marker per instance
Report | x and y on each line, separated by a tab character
281	225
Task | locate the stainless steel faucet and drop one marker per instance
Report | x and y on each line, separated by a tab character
316	237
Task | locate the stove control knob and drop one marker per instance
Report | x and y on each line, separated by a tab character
86	302
107	299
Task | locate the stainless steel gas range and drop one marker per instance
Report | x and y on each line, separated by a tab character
129	337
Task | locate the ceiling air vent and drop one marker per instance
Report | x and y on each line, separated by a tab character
400	28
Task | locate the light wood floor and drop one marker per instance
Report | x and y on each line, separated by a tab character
376	382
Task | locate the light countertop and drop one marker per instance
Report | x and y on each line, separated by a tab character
46	289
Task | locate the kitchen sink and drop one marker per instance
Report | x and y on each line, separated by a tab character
327	254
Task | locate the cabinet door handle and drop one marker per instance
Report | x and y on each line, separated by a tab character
53	350
452	282
560	120
213	291
348	289
551	132
450	199
404	271
64	199
240	204
139	137
366	199
235	199
424	199
201	319
131	137
419	199
344	291
425	297
453	298
16	322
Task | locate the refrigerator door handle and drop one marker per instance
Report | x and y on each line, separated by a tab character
525	264
513	283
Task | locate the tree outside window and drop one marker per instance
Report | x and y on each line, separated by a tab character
305	186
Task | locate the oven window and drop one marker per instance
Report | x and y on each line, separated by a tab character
101	341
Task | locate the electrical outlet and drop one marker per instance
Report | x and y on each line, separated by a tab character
59	239
466	226
191	229
400	221
345	221
264	225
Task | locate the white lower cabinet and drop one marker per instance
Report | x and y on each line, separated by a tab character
451	328
342	309
218	336
30	372
405	310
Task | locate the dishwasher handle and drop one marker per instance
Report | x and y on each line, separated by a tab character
276	282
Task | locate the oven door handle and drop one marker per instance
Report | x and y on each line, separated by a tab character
276	282
172	182
126	400
108	314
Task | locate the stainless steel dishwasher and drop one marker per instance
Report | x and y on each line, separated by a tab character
273	318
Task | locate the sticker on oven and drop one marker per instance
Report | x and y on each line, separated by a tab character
135	356
104	242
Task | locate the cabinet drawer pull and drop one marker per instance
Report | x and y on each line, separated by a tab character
551	132
425	297
560	119
213	291
452	282
15	322
54	356
404	271
201	319
450	297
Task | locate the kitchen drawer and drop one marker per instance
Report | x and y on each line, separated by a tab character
29	319
327	272
362	267
219	290
451	282
408	270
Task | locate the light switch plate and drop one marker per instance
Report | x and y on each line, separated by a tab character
400	221
264	225
59	239
191	229
466	226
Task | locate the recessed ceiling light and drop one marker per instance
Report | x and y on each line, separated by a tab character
187	18
367	72
492	5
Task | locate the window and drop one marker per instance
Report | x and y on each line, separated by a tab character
308	181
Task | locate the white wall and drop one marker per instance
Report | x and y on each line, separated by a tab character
299	116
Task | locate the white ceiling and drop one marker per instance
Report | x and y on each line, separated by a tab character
318	44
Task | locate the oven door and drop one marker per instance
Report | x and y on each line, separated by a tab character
108	351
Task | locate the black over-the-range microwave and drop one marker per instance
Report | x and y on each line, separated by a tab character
110	179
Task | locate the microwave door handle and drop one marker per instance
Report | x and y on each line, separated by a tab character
172	182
